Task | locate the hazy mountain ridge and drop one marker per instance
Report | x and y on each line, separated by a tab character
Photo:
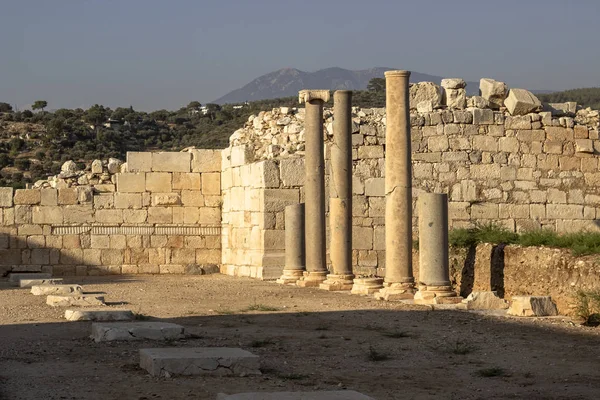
288	81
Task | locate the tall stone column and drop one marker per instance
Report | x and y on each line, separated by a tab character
340	202
294	245
434	274
399	280
314	188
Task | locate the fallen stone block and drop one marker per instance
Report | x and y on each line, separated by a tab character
77	300
493	91
561	109
325	395
220	361
522	102
453	83
43	290
455	98
485	301
532	306
15	277
425	91
27	283
98	315
136	331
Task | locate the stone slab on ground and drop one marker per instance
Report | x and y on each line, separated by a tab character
532	306
98	315
77	300
27	283
219	361
43	290
325	395
106	332
485	301
15	277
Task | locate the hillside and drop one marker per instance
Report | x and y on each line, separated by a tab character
586	97
288	81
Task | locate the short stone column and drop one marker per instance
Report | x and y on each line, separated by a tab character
434	275
294	245
399	280
314	188
340	202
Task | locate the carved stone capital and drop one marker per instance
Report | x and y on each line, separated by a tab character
304	96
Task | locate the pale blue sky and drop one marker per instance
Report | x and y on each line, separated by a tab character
162	54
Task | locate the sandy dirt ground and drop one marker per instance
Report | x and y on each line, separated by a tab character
315	340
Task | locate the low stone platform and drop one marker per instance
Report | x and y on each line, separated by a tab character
330	395
106	332
98	315
27	283
77	300
43	290
220	361
15	277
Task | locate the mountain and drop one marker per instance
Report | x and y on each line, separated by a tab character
289	81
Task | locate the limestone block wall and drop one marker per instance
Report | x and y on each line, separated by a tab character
533	171
161	216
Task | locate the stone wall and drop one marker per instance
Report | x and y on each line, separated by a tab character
160	215
523	172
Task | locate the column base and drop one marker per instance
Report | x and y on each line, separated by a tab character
436	295
366	286
312	279
290	276
396	291
337	282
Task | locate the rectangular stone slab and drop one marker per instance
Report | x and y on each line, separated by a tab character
329	395
106	332
67	300
98	315
43	290
220	361
14	277
27	283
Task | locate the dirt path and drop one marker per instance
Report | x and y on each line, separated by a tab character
315	340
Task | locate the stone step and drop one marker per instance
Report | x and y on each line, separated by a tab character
325	395
43	290
77	300
98	315
218	361
106	332
27	283
15	277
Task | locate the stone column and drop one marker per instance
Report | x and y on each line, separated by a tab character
399	280
294	245
340	202
314	188
434	274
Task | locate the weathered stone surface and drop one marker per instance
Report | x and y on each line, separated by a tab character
16	277
220	361
477	102
98	315
204	160
106	332
532	306
485	301
521	102
27	196
453	83
493	91
425	91
44	290
455	98
171	162
27	283
324	395
6	197
78	300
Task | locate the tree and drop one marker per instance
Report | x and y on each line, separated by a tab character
5	107
376	85
39	105
194	105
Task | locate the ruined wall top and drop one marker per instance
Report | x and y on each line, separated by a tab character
279	133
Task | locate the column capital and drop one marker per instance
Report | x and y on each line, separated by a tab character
304	96
399	73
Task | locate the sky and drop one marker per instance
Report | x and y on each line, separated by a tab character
153	54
